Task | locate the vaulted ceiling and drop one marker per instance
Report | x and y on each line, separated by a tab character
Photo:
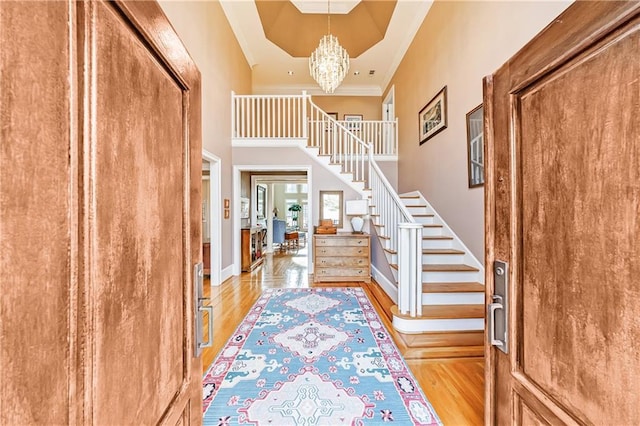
277	37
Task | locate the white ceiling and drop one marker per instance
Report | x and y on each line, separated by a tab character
271	64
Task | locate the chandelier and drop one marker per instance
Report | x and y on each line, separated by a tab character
329	63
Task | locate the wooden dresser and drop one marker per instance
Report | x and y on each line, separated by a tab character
341	257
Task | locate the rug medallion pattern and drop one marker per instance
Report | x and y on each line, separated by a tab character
318	356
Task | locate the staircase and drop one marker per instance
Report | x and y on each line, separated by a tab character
439	282
451	281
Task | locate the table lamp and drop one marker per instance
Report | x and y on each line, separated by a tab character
357	209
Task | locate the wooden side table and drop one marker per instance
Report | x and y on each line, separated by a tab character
291	239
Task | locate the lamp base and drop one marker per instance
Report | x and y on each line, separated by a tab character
357	223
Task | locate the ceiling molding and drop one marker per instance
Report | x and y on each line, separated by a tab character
273	71
314	90
410	33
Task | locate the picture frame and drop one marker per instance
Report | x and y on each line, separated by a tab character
329	126
261	201
353	121
432	118
475	146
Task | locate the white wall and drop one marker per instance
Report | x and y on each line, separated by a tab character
458	44
205	31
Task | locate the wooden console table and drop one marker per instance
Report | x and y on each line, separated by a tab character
251	248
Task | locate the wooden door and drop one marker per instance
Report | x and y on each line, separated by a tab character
100	202
563	208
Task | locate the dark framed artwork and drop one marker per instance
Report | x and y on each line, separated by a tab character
261	201
329	125
475	146
432	118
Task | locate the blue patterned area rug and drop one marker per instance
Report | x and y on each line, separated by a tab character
318	356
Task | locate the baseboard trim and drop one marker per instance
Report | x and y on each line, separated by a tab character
385	284
226	273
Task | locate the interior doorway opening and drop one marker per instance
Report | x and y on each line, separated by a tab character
211	220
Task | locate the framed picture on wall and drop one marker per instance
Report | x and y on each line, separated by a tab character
329	126
475	146
432	118
353	121
261	201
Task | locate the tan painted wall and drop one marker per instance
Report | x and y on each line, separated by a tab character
458	44
205	31
369	106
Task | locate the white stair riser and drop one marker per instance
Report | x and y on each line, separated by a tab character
418	326
436	244
453	298
418	210
431	231
450	277
442	259
392	258
425	220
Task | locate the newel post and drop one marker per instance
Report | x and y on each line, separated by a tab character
410	268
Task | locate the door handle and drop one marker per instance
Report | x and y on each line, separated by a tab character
493	307
498	310
209	309
199	309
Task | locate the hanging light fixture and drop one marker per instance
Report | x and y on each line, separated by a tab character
329	63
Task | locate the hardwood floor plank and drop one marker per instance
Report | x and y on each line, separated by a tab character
454	386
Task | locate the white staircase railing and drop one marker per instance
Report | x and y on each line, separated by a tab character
334	139
382	135
269	116
352	145
284	117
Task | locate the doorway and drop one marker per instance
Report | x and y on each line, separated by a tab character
211	220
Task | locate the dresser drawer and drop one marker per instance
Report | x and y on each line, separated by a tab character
341	251
342	261
342	242
337	272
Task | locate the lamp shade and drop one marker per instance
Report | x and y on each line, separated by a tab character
356	207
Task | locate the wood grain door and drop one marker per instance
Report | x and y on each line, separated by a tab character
101	178
563	208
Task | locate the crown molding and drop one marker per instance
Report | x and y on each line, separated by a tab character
314	90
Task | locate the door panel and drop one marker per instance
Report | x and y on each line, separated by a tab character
579	184
565	209
100	215
139	253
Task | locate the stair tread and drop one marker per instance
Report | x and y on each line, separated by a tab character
409	196
442	251
437	237
437	339
444	312
423	215
462	287
448	268
416	205
390	251
428	225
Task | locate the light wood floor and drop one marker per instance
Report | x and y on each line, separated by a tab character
454	386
